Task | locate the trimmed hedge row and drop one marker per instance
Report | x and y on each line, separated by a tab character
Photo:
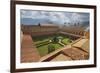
42	43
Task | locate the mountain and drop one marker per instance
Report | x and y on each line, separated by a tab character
30	21
85	24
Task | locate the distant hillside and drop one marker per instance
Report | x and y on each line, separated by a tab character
30	21
85	24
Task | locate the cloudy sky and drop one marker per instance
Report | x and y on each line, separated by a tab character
31	17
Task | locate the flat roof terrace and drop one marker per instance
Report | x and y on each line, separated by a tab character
83	44
29	52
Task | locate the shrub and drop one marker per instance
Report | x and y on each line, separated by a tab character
55	40
51	48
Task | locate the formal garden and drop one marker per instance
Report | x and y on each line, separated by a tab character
48	44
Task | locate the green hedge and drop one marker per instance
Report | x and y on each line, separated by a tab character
42	43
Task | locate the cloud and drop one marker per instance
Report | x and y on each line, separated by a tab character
60	17
26	14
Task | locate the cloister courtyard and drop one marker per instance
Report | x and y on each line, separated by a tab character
49	43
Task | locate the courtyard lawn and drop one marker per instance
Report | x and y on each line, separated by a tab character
43	50
41	39
42	42
66	41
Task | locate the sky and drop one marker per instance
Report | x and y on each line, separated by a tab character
32	17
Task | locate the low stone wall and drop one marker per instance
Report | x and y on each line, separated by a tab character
43	33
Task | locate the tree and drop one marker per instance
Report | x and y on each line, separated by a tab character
55	40
51	48
39	24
